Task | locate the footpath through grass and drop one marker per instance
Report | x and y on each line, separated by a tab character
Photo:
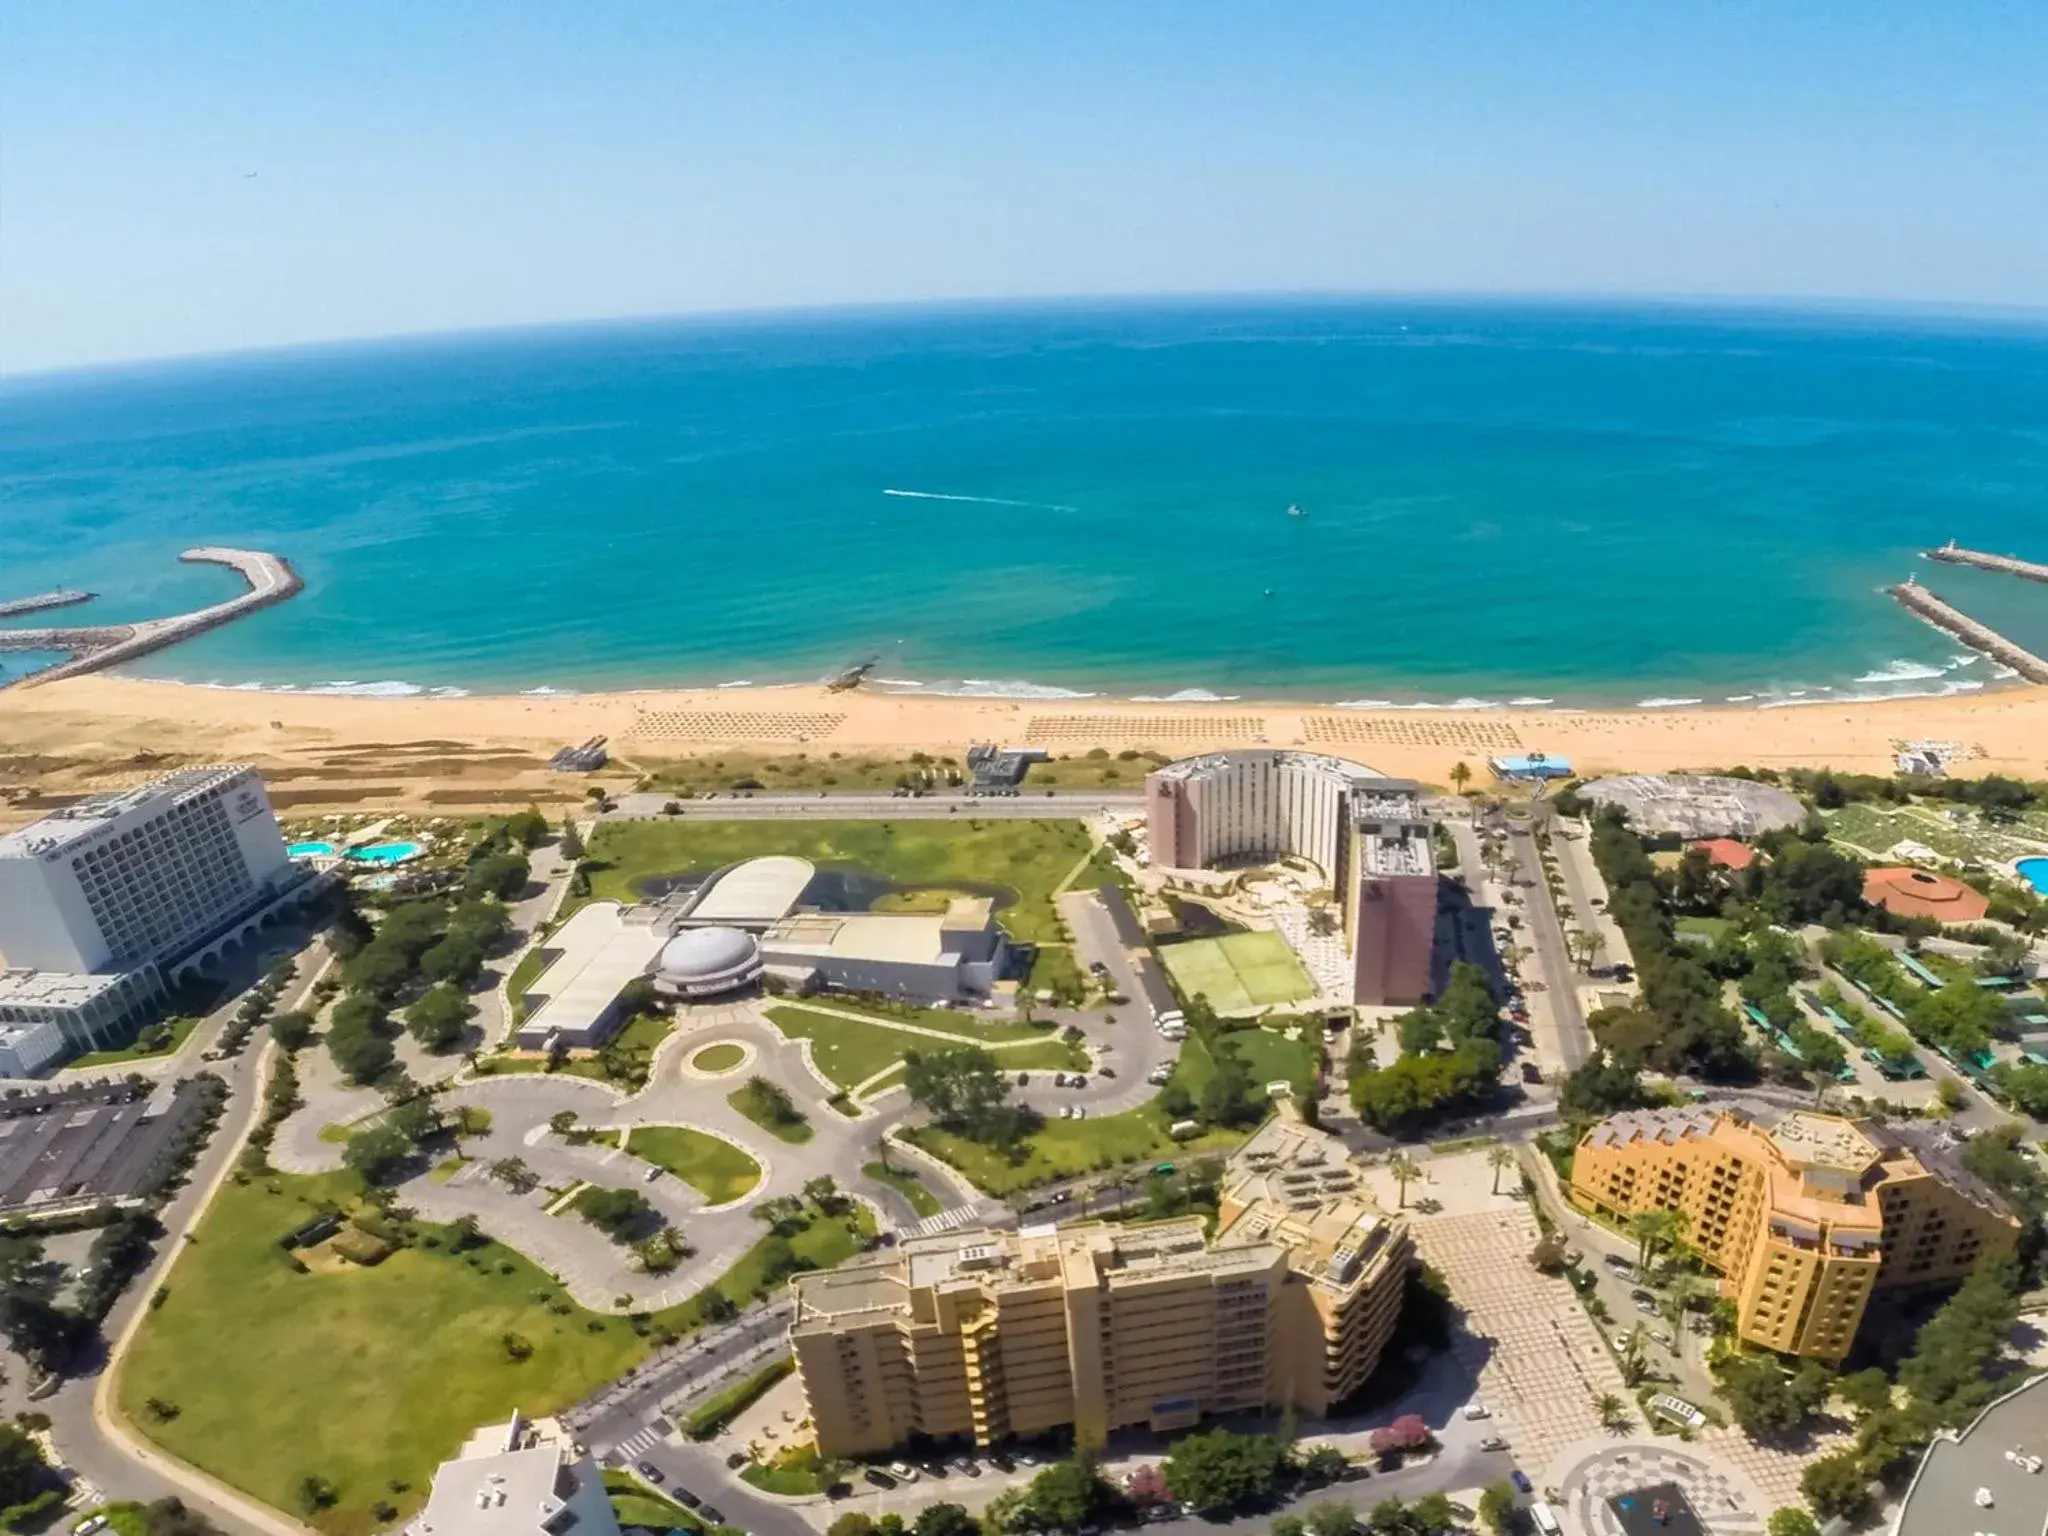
372	1377
711	1165
1028	857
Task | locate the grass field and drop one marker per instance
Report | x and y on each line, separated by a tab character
711	1165
951	1021
1238	972
359	1376
180	1029
906	1184
635	1503
755	1108
722	1057
369	1376
1030	857
1063	1148
849	1053
1272	1057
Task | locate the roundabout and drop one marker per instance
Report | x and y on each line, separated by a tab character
720	1058
1640	1489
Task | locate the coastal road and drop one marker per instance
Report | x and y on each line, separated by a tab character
729	805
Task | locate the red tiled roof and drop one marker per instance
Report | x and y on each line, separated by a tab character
1727	852
1923	893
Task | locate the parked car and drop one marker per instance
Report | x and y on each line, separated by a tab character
713	1513
1521	1481
1640	1295
1618	1261
967	1466
903	1471
1478	1411
1531	1073
1493	1443
1647	1308
879	1478
1002	1461
651	1472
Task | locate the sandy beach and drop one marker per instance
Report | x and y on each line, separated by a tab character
326	752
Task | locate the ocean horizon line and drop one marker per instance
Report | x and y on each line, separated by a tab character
1729	306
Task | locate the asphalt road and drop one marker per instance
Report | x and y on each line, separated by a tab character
824	806
1546	937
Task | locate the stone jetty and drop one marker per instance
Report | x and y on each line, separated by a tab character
92	647
1953	553
1927	605
42	601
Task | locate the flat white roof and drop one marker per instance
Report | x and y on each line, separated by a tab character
900	936
759	891
599	954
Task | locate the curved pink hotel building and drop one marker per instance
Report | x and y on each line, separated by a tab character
1366	832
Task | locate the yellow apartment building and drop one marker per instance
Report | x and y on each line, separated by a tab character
1804	1214
990	1334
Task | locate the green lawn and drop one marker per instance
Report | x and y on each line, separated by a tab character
722	1057
968	1025
523	976
1272	1057
906	1184
366	1376
180	1028
1029	857
1239	972
1710	928
1053	966
633	1046
849	1053
1063	1148
711	1165
756	1109
360	1376
635	1503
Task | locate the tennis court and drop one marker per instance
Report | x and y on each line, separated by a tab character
1238	973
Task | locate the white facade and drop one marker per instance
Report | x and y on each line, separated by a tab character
120	882
601	948
29	1049
1260	805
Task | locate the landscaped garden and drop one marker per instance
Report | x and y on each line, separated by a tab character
771	1108
1028	857
849	1053
711	1165
346	1385
624	1062
722	1057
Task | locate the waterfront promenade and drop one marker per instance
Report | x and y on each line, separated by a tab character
91	647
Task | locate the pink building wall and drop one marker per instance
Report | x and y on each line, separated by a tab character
1396	932
1170	822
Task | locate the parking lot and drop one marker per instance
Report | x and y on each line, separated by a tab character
102	1140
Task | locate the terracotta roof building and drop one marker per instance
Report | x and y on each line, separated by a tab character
1905	892
1727	853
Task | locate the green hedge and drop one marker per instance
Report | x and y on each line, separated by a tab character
712	1416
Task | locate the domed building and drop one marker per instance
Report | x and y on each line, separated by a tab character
703	962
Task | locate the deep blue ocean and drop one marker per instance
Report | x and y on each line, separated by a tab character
1581	504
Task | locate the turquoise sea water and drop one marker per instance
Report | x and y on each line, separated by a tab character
1580	504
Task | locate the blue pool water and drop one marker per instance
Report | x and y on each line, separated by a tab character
311	850
1579	503
2034	872
382	853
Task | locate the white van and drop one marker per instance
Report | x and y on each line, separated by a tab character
1544	1518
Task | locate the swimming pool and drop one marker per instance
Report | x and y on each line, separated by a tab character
383	853
2035	872
310	851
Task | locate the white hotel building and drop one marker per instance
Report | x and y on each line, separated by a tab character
104	900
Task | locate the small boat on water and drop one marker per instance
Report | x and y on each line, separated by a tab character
1295	511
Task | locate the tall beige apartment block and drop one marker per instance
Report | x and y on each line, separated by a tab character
991	1334
1805	1215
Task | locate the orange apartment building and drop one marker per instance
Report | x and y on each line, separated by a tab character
1805	1215
989	1334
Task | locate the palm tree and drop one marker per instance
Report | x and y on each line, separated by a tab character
1613	1412
1460	776
1652	1230
1501	1157
1679	1292
1404	1169
1632	1357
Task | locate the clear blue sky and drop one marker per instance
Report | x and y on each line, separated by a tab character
436	164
